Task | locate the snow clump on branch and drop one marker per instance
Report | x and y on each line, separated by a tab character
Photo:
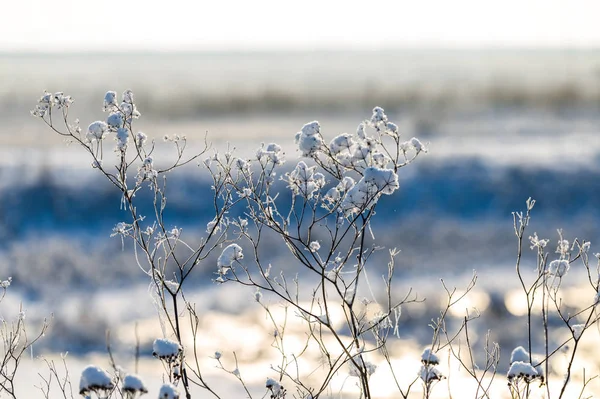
163	348
309	139
134	384
168	391
94	379
365	193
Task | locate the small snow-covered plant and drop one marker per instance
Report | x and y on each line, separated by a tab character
546	306
133	386
14	342
171	354
168	391
95	380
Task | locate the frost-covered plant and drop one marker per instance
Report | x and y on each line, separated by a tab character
324	222
14	342
321	210
95	380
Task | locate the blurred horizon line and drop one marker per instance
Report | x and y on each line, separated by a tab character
300	50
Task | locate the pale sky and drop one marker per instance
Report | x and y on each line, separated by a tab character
75	25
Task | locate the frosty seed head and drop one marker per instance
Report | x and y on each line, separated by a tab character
314	246
428	357
270	153
378	116
277	390
521	370
168	391
559	267
110	101
167	349
134	384
230	254
115	120
128	96
140	139
309	139
429	374
94	379
96	131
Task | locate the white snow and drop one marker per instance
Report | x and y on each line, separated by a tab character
115	120
413	144
93	378
304	181
97	130
309	139
274	386
521	369
558	267
110	101
378	116
229	255
428	357
360	131
140	139
386	180
392	129
271	152
165	348
122	138
128	96
340	143
168	391
519	354
578	330
364	194
133	383
430	373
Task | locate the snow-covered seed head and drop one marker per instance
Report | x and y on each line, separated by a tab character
115	120
122	138
110	101
168	391
521	370
128	96
134	384
378	116
140	139
392	129
96	131
417	145
430	374
309	139
277	390
559	267
230	254
167	349
428	357
94	379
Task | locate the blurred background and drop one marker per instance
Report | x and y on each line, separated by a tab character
506	94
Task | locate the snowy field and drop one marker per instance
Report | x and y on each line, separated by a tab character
500	127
